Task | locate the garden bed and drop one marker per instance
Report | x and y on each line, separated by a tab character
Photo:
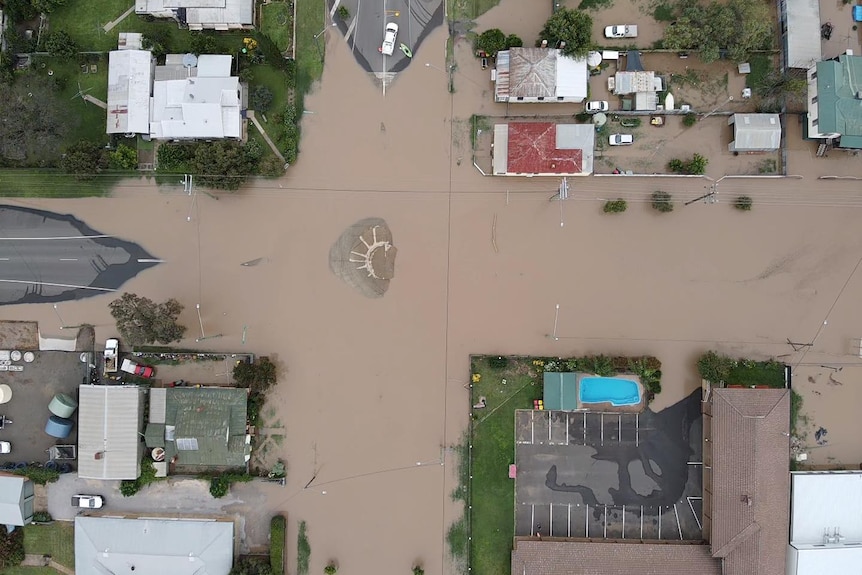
721	370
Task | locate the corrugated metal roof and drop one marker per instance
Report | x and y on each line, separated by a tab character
532	73
838	108
110	419
537	557
129	80
750	479
153	546
16	499
756	132
803	33
501	149
560	391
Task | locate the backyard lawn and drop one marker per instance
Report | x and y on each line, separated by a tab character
276	21
507	384
84	21
55	539
310	21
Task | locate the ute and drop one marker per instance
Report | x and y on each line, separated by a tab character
621	31
87	501
112	349
389	37
136	368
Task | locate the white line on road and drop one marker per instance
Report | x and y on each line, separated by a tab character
58	238
150	261
68	259
57	285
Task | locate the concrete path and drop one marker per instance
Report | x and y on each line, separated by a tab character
32	560
96	101
110	25
265	136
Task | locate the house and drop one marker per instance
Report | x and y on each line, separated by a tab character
835	102
755	133
643	85
202	104
130	80
153	546
543	149
200	428
746	500
825	522
110	420
800	32
201	14
539	75
17	498
746	478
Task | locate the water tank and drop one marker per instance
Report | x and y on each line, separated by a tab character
63	405
58	427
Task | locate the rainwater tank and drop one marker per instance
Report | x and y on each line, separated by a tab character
58	427
63	405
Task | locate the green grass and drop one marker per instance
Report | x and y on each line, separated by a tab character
55	539
761	66
469	9
21	570
277	23
748	373
303	550
492	493
84	21
33	183
276	543
310	21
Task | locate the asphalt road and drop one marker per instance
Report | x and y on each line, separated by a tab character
48	257
364	30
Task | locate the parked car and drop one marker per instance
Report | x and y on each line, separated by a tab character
5	447
136	368
597	106
87	501
621	31
389	37
621	139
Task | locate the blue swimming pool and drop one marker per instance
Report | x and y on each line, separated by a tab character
613	390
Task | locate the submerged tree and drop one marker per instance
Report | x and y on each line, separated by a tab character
572	27
141	321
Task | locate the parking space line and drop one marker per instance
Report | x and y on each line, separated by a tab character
532	519
675	512
569	522
642	521
550	423
532	428
602	415
587	521
567	428
585	428
693	512
551	522
659	521
620	434
624	521
637	428
606	523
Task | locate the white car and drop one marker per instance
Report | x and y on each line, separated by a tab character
621	31
597	106
621	139
389	39
87	501
5	447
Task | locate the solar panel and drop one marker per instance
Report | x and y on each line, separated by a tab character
187	444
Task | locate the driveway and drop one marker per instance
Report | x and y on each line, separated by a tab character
179	497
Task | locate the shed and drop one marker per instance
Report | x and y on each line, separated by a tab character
802	36
17	498
110	420
755	132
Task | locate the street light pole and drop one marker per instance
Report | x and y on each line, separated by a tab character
318	35
62	323
201	321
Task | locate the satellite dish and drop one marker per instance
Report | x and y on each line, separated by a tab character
190	60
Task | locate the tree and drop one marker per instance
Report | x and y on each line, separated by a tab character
124	158
61	45
83	159
142	321
203	43
222	164
513	41
258	376
252	566
47	6
331	568
570	26
261	99
743	203
662	202
615	206
739	26
491	41
342	12
11	547
418	570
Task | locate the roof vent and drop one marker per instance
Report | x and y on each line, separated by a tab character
748	500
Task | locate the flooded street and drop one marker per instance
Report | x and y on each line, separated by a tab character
372	391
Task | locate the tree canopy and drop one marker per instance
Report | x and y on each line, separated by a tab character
739	26
258	376
222	164
11	547
34	122
60	44
491	41
573	27
83	159
141	321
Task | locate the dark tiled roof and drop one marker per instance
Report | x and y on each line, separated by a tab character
750	480
535	557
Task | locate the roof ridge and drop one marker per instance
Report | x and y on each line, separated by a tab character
752	529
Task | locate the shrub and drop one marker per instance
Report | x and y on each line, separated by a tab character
696	165
689	120
11	547
124	158
662	202
582	117
42	517
498	362
714	368
303	550
38	475
331	568
276	543
343	12
129	488
418	570
615	206
271	167
594	4
261	99
602	365
743	203
61	45
174	156
514	41
664	13
220	483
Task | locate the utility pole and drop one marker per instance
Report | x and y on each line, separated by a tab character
201	321
562	194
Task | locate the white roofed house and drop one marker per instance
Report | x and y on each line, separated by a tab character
539	75
755	133
130	77
201	14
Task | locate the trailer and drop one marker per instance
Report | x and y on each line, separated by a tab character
112	350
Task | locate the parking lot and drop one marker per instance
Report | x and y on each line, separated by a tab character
610	475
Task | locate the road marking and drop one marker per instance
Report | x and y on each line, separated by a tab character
58	238
4	259
150	261
58	285
68	259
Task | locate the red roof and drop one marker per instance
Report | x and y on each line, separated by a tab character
533	150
